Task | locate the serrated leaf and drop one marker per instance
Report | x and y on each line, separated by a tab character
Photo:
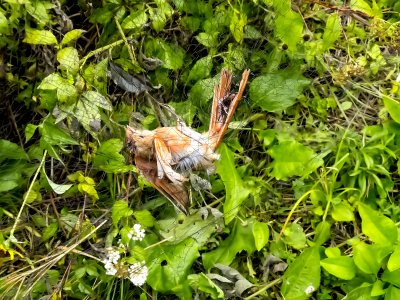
379	228
201	69
72	36
277	91
171	55
302	277
342	267
301	161
136	19
120	210
109	159
69	59
288	24
210	40
236	192
238	21
39	37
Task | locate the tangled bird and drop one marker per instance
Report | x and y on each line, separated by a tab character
166	155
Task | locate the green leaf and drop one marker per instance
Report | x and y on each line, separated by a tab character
302	277
57	188
368	258
72	36
277	91
49	231
392	277
301	161
136	19
120	210
236	192
392	293
4	27
38	10
364	7
379	228
241	238
394	260
56	136
322	233
109	159
238	21
342	212
288	24
332	31
261	234
144	217
69	59
201	69
39	37
361	293
171	55
169	264
206	285
342	267
393	108
9	150
202	92
88	189
30	131
209	40
295	236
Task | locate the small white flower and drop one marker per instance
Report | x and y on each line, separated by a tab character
138	273
110	261
136	233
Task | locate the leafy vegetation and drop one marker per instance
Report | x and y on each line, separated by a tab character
304	202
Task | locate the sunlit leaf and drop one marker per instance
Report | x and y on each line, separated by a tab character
342	267
295	236
368	258
136	19
379	228
170	54
39	37
302	277
72	36
120	210
109	159
69	59
49	231
261	234
206	285
394	260
332	31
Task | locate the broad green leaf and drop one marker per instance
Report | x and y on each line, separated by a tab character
379	228
236	192
238	21
169	264
120	210
364	7
56	136
378	288
49	231
136	19
393	108
342	267
89	190
209	40
392	277
39	37
72	36
202	92
144	217
368	258
9	150
301	161
302	277
261	234
109	159
277	91
392	293
53	82
342	212
241	238
294	236
288	24
9	179
361	293
394	260
201	69
332	31
206	285
69	59
38	10
171	55
322	233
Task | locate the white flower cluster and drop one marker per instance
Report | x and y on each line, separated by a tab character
111	261
136	233
138	273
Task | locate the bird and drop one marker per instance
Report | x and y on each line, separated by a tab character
165	156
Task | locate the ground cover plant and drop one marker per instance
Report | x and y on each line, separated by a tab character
304	201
